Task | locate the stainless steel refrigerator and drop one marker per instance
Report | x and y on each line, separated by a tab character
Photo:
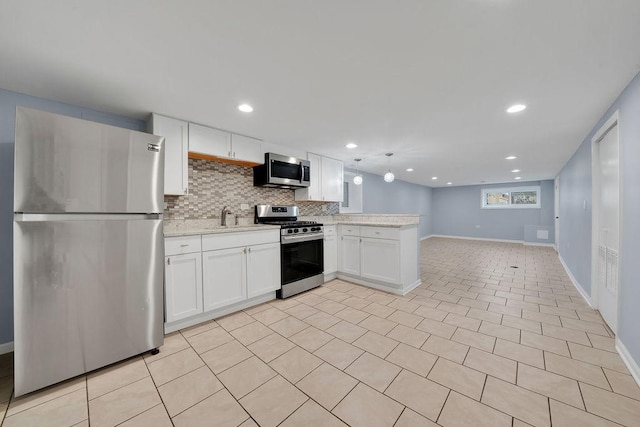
88	246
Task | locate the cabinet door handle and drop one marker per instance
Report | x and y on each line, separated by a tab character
229	153
249	249
184	245
234	154
244	251
168	261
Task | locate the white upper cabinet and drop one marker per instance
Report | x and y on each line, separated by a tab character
326	180
209	141
176	145
314	191
217	143
332	179
246	149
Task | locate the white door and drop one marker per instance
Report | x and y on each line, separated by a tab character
209	141
349	255
183	286
330	250
246	149
556	209
224	279
263	269
176	142
380	259
609	226
332	179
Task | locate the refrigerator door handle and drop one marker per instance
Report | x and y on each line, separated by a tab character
30	217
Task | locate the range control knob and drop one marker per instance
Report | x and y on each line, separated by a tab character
304	230
289	231
295	230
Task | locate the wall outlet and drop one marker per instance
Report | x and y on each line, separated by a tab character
244	206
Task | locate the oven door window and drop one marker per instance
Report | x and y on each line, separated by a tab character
301	260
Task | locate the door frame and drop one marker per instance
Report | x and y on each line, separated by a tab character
614	120
556	212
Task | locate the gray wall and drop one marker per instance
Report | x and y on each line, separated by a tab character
397	197
575	223
457	212
8	102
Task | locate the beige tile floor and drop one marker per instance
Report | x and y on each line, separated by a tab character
477	344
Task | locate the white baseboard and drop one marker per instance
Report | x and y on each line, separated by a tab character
380	286
427	237
6	347
214	314
546	245
577	285
476	238
628	360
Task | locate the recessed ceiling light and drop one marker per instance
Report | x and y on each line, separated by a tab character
518	177
410	170
434	177
516	108
449	183
515	170
245	108
510	158
351	145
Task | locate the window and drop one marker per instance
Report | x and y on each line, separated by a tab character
352	202
511	198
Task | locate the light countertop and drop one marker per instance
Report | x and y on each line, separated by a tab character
175	228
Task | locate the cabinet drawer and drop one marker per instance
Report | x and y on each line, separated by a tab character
391	233
350	230
182	245
212	242
329	230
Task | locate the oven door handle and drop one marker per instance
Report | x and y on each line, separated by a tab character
301	238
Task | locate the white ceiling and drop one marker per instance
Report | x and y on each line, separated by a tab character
426	79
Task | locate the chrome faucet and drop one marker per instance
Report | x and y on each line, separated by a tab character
223	217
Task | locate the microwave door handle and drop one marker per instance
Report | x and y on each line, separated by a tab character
301	172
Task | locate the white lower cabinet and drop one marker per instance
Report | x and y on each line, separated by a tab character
225	277
183	277
183	286
263	269
349	255
330	250
381	257
229	272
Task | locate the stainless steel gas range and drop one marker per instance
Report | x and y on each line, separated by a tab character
301	248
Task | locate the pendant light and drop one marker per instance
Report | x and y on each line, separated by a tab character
357	180
389	176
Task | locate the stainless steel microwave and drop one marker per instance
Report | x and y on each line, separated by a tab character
282	171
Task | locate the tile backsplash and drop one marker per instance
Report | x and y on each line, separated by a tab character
214	185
